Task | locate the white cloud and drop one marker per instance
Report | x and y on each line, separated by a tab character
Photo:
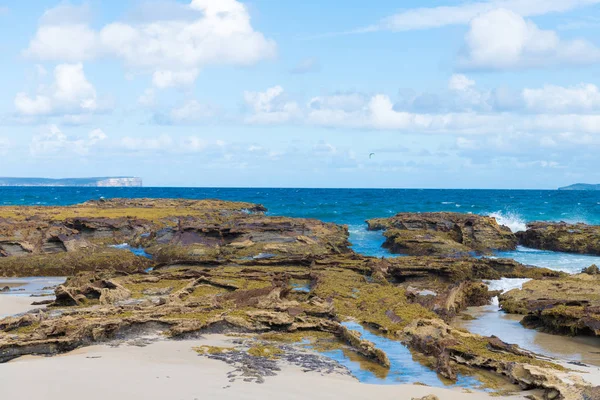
503	39
192	111
163	79
173	51
66	13
270	107
263	101
172	145
552	98
341	101
97	135
467	95
195	144
459	82
54	142
55	43
550	109
436	17
38	105
70	92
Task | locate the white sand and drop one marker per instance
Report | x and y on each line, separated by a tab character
12	304
171	370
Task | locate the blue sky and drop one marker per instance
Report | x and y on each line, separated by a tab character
447	94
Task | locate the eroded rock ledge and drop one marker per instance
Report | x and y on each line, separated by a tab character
568	305
59	241
443	233
569	238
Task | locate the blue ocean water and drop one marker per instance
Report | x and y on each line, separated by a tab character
352	207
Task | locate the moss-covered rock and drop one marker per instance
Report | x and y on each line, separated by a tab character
452	348
569	305
423	243
443	233
65	240
70	263
568	238
463	268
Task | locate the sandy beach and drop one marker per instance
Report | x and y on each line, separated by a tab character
173	370
12	305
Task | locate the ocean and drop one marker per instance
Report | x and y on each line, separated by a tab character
513	208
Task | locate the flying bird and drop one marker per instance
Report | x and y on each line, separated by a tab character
371	155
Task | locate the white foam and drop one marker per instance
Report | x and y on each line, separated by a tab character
505	285
122	246
511	220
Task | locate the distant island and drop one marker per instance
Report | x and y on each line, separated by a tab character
123	181
581	186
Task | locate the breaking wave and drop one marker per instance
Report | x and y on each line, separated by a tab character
513	221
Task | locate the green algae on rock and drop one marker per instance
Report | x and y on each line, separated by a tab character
70	263
568	305
64	240
568	238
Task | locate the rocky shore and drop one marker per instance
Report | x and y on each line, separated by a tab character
222	267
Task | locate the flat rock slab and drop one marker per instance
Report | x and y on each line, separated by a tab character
567	305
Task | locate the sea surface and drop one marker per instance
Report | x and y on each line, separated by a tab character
513	208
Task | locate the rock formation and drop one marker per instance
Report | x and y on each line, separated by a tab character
569	238
443	234
567	305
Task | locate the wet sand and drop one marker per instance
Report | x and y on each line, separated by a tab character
12	305
172	370
491	321
19	299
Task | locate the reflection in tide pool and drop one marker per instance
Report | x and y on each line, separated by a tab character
490	320
36	286
403	368
566	262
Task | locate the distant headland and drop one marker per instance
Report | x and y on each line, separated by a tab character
581	186
122	181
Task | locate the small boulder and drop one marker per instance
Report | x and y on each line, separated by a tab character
591	270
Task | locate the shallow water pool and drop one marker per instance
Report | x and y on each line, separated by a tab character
404	369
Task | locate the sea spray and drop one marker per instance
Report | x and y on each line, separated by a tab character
509	219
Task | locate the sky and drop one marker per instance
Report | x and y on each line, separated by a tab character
282	93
